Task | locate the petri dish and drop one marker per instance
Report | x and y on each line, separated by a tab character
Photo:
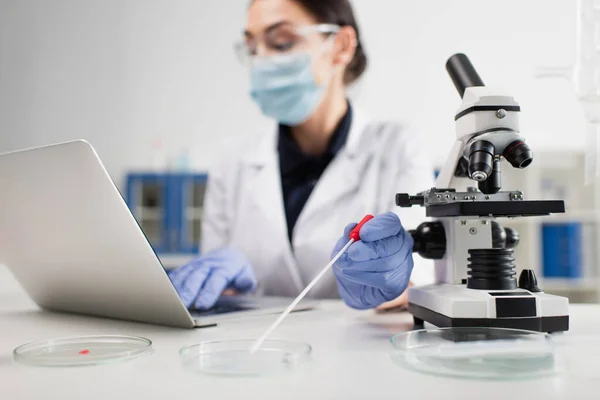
476	353
82	351
232	357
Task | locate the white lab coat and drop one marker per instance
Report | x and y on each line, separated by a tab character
244	208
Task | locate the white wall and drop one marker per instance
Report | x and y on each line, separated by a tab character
124	73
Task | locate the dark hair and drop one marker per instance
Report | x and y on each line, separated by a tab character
339	12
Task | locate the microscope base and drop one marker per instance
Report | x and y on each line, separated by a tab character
456	306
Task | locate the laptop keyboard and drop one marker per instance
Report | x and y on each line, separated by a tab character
222	307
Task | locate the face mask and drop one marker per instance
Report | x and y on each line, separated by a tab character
284	87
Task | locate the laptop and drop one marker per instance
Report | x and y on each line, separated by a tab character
69	238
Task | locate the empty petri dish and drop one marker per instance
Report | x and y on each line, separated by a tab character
476	353
233	357
82	351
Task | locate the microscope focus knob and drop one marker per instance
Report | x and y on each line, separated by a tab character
429	240
512	238
504	238
528	281
498	236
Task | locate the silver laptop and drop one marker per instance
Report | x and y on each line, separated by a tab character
71	241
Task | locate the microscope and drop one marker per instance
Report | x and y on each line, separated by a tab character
476	283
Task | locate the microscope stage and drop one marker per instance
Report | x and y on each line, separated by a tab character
447	305
496	208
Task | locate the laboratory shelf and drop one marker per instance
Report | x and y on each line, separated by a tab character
193	213
569	284
146	213
172	261
168	207
587	216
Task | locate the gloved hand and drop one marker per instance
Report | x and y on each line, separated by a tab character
377	268
201	281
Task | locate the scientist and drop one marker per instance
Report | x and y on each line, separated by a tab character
275	207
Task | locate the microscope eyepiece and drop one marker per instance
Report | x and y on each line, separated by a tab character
462	73
481	160
518	154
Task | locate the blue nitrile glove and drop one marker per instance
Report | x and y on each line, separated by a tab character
201	281
377	268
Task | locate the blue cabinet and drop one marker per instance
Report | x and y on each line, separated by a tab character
168	208
562	250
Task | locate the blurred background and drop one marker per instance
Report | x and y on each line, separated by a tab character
155	87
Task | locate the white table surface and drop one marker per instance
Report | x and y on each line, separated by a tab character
351	359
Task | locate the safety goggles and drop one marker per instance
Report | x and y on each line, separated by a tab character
281	40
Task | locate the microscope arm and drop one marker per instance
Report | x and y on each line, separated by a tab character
447	172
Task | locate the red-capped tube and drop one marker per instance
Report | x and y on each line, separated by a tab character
355	233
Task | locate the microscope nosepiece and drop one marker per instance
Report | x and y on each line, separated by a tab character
481	160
